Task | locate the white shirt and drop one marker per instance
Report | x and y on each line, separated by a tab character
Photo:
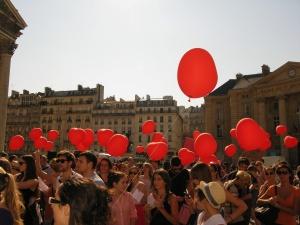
216	219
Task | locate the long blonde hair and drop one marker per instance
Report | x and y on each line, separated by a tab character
11	199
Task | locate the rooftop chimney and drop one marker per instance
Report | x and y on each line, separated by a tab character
238	76
265	69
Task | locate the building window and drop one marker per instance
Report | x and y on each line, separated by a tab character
141	110
298	114
140	119
96	122
148	117
129	121
154	119
148	110
169	128
161	119
140	128
219	114
140	138
161	128
169	138
123	121
170	119
219	131
276	121
275	107
101	122
161	110
169	110
115	122
247	109
109	122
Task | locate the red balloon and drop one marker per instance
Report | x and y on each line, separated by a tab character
233	133
196	133
281	130
117	145
230	150
197	74
82	147
103	136
186	156
88	137
210	159
290	142
205	145
157	137
40	143
148	127
16	143
49	145
164	140
35	133
52	135
250	135
76	135
139	149
157	150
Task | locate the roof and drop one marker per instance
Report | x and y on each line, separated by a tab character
224	88
71	93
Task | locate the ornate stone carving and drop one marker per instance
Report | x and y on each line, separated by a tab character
8	48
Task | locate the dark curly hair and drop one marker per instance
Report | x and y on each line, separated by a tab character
88	203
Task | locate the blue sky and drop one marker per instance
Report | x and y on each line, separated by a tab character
134	46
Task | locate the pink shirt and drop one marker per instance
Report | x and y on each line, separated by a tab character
123	209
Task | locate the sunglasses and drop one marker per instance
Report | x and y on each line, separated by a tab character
269	174
61	160
53	201
283	172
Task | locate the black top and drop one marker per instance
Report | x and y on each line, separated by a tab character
6	217
179	182
157	218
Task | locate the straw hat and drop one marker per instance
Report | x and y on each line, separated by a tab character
214	193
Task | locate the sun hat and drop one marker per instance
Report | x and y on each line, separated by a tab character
214	193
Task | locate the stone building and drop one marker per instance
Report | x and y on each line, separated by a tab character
11	23
271	98
193	119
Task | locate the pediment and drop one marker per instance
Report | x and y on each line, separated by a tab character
286	73
12	13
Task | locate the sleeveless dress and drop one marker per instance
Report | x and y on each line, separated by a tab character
30	216
157	218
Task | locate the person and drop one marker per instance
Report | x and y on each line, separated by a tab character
270	180
208	199
5	164
243	163
122	206
27	182
163	206
104	168
283	196
66	163
11	205
147	175
86	164
201	172
80	201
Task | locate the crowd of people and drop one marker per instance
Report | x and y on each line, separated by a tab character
81	188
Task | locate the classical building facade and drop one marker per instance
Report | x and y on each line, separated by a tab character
271	98
10	25
193	119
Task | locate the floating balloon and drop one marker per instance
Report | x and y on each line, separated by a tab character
82	147
16	143
40	143
186	156
266	142
103	136
250	135
76	136
148	127
290	142
205	145
117	145
88	137
197	74
49	145
230	150
188	143
157	137
139	149
281	130
52	135
35	133
233	133
210	159
157	150
196	133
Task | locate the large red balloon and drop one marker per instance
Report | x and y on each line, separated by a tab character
103	136
196	133
210	159
197	74
266	142
88	137
186	156
281	130
52	135
250	135
205	145
233	133
157	150
117	145
230	150
35	133
148	127
157	137
40	143
49	145
290	142
16	143
82	147
76	135
139	149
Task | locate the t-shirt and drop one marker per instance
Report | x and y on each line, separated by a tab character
97	180
5	217
216	219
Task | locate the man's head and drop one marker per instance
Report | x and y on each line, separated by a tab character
65	160
86	162
243	163
176	164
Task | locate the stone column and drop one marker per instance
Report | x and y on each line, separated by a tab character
262	112
6	52
282	120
